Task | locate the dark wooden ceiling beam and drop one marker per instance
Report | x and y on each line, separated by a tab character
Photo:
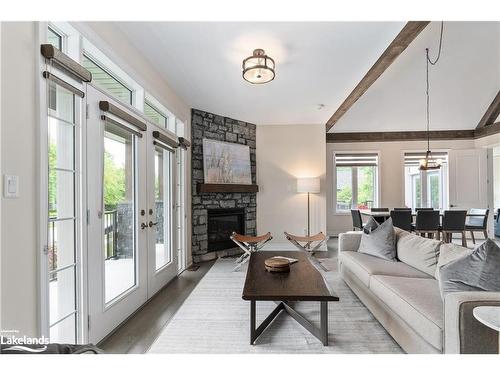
409	32
487	130
491	113
398	136
435	135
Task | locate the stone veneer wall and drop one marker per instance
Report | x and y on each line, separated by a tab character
211	126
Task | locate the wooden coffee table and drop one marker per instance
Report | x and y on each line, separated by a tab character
304	282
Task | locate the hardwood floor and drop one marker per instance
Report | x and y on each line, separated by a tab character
138	333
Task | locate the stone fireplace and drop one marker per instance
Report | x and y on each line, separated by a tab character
207	242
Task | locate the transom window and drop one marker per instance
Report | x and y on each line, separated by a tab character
155	115
426	188
55	39
356	181
106	81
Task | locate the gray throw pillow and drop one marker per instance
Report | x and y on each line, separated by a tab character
479	271
370	225
380	242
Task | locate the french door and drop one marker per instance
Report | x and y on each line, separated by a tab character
130	216
162	260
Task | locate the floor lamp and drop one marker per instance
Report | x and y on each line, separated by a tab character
308	185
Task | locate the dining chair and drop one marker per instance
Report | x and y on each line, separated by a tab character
402	209
454	222
427	222
380	219
477	223
424	209
357	221
402	219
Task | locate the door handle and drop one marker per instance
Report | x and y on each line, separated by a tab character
151	224
144	225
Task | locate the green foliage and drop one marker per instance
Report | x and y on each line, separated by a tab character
366	184
434	182
114	182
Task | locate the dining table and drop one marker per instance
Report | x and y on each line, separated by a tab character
387	214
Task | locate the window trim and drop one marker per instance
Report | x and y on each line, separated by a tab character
378	182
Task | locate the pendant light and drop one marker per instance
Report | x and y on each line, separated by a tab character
258	68
429	163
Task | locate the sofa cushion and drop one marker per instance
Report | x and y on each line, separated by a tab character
478	271
370	225
380	242
363	266
417	301
448	252
418	252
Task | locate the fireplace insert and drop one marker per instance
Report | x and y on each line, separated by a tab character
222	222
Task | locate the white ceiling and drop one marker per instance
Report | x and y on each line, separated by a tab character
320	63
316	63
462	84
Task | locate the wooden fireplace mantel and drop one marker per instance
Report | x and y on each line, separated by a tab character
227	188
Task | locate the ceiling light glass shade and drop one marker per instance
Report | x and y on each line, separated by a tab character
258	68
429	162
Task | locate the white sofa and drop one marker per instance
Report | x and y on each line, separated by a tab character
407	301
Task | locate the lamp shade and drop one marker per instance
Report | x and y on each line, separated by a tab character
308	185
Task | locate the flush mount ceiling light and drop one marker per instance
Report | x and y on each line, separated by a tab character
258	68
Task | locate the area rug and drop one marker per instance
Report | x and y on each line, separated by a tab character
214	319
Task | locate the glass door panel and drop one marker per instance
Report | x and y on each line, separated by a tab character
119	240
63	117
162	224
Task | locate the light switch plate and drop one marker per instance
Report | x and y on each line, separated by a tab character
10	186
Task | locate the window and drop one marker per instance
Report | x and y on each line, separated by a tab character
356	181
425	188
55	39
155	115
104	80
61	244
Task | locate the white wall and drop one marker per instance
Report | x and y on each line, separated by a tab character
19	156
391	177
284	153
19	145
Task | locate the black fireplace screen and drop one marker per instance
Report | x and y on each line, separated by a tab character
221	223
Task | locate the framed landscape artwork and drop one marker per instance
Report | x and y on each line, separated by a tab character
226	163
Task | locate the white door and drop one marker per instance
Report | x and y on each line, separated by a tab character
117	220
468	179
469	182
162	260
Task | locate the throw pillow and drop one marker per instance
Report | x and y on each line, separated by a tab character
379	242
448	252
478	271
419	252
370	225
